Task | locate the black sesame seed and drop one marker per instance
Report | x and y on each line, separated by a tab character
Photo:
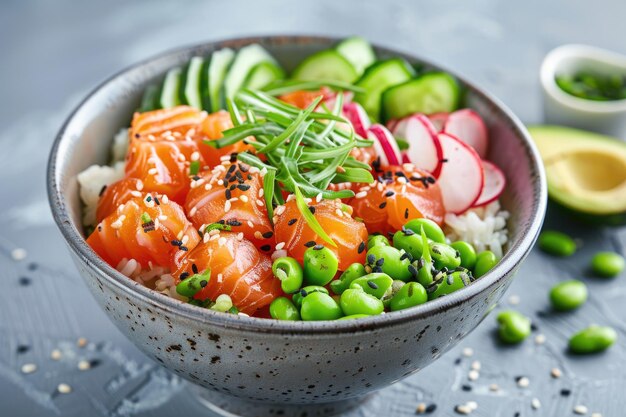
406	213
24	281
175	242
227	194
431	408
565	392
184	275
412	270
244	168
371	258
23	349
203	283
380	262
233	222
312	209
389	193
361	247
102	190
232	167
303	292
243	187
156	200
194	268
183	248
431	180
382	205
292	221
232	187
372	285
266	248
466	387
310	243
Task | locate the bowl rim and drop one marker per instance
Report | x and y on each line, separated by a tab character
549	68
79	247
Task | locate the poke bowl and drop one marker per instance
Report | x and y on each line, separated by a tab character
243	342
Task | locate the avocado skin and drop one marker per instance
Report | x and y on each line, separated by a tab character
559	199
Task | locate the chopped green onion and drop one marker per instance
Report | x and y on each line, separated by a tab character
217	226
189	287
145	218
194	168
268	192
223	303
310	218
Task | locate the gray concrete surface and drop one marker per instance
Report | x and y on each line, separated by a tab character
53	53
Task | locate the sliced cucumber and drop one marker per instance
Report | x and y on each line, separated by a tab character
150	99
192	88
378	78
245	60
170	95
218	67
430	93
325	65
358	52
263	74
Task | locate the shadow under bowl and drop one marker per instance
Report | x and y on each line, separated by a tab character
275	361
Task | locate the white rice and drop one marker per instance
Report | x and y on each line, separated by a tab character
91	182
483	227
120	145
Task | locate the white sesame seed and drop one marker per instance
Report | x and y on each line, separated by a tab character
156	223
339	212
162	217
535	403
421	408
165	199
81	342
207	187
473	375
596	415
56	354
556	373
318	197
193	211
64	388
581	409
475	365
195	156
401	180
225	158
220	277
514	299
467	352
261	192
215	236
153	171
139	185
221	241
18	254
540	339
260	203
227	205
244	198
29	368
258	235
185	239
463	409
84	365
263	172
279	210
117	224
250	224
179	235
473	405
494	387
240	236
280	245
135	193
361	194
220	182
523	382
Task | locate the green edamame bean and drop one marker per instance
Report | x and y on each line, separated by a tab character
484	262
514	326
395	287
320	306
375	240
357	301
353	316
389	260
310	289
568	295
592	339
410	241
607	264
376	284
289	272
410	295
320	265
282	308
448	283
432	229
351	273
444	255
467	253
556	243
424	265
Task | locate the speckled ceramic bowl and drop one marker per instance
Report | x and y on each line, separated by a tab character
274	361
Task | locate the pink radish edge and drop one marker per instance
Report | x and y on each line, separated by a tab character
469	127
421	136
462	178
495	183
357	116
386	143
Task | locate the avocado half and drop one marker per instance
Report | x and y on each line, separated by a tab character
586	172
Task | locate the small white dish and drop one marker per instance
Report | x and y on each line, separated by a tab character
607	117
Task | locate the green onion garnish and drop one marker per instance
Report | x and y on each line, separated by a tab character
145	218
217	226
194	168
189	287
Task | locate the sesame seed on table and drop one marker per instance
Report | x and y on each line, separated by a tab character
60	354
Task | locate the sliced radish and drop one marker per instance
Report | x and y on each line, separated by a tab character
358	117
462	177
438	120
495	181
424	147
405	158
385	145
468	126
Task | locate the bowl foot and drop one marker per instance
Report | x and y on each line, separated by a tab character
229	406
